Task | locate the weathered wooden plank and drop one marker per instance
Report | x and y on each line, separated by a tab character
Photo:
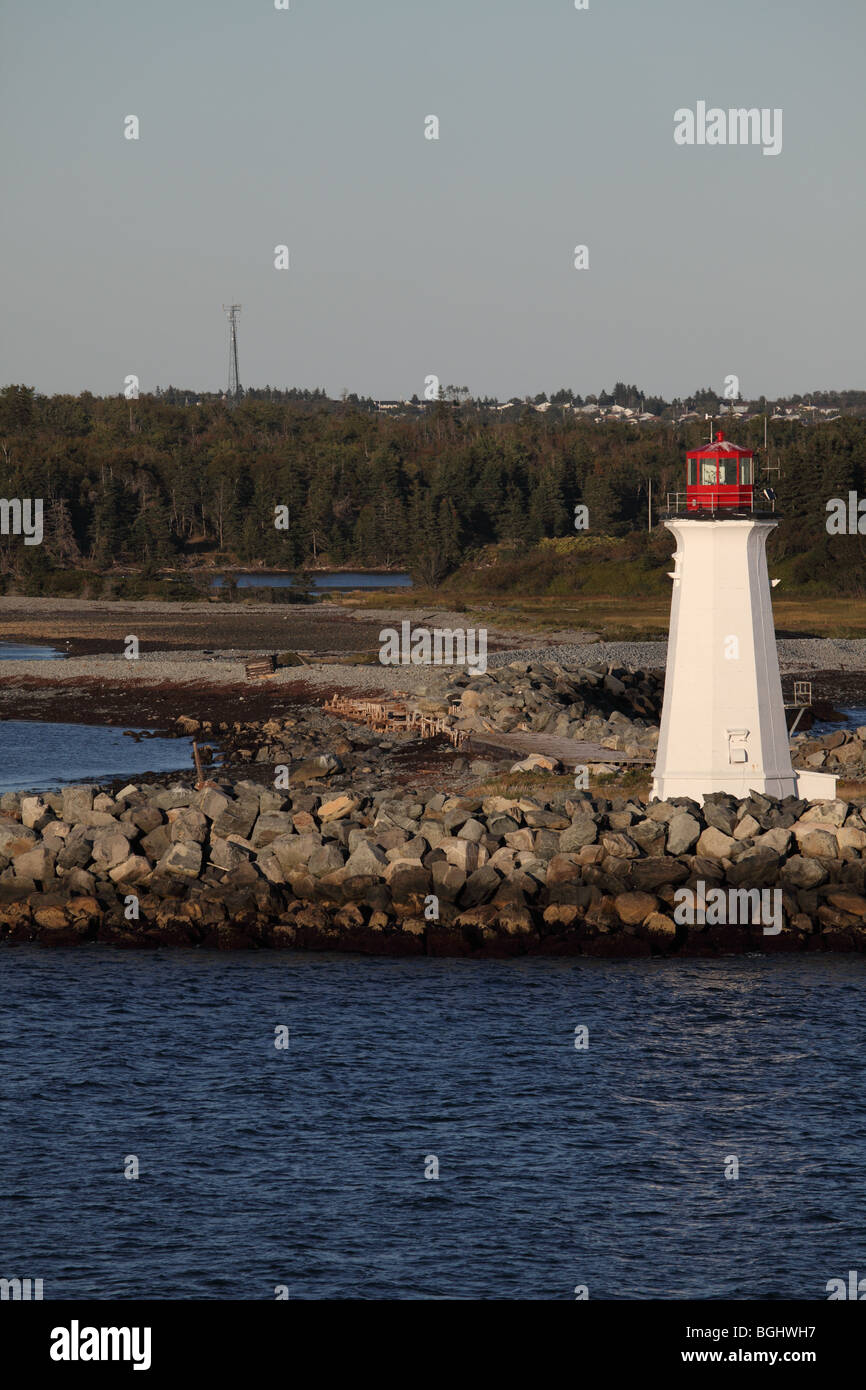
569	751
260	666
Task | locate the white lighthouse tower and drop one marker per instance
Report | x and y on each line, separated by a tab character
723	722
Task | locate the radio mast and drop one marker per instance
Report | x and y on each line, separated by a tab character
234	388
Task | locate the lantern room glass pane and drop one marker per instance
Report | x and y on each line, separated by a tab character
708	472
693	472
728	472
746	472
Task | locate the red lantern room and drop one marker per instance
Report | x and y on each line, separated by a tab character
720	477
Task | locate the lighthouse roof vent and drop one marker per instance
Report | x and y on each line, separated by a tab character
719	446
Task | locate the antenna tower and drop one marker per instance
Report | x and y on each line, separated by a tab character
234	388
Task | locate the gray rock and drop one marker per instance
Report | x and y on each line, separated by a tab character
132	870
311	768
798	872
582	831
683	832
818	844
15	838
144	818
212	803
433	831
293	852
190	826
226	856
448	880
756	868
182	861
237	818
366	860
170	798
156	843
77	801
480	887
36	864
270	826
325	860
715	844
110	847
35	815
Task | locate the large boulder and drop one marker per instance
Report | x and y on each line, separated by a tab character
225	855
448	880
582	831
464	854
715	844
34	813
181	861
132	870
270	826
236	818
293	851
683	833
817	844
337	808
310	769
324	860
480	887
367	860
212	802
110	847
36	864
189	825
15	838
800	872
634	908
77	801
757	868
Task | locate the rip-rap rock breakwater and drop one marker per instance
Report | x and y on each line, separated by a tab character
238	866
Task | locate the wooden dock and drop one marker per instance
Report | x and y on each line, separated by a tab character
394	716
569	751
399	716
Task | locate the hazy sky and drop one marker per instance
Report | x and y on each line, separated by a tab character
408	256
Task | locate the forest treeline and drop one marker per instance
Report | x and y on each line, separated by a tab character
153	483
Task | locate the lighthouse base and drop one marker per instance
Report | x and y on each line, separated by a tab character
808	786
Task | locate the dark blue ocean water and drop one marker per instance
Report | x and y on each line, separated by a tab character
305	1167
24	651
36	756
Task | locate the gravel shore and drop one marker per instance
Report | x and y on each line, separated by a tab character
227	667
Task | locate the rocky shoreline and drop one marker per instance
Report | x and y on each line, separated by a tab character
239	866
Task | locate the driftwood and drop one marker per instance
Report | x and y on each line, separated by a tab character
261	667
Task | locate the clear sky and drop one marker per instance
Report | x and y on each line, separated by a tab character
408	256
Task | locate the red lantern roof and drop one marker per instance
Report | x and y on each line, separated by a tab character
719	447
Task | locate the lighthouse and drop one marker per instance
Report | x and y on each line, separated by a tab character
723	726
